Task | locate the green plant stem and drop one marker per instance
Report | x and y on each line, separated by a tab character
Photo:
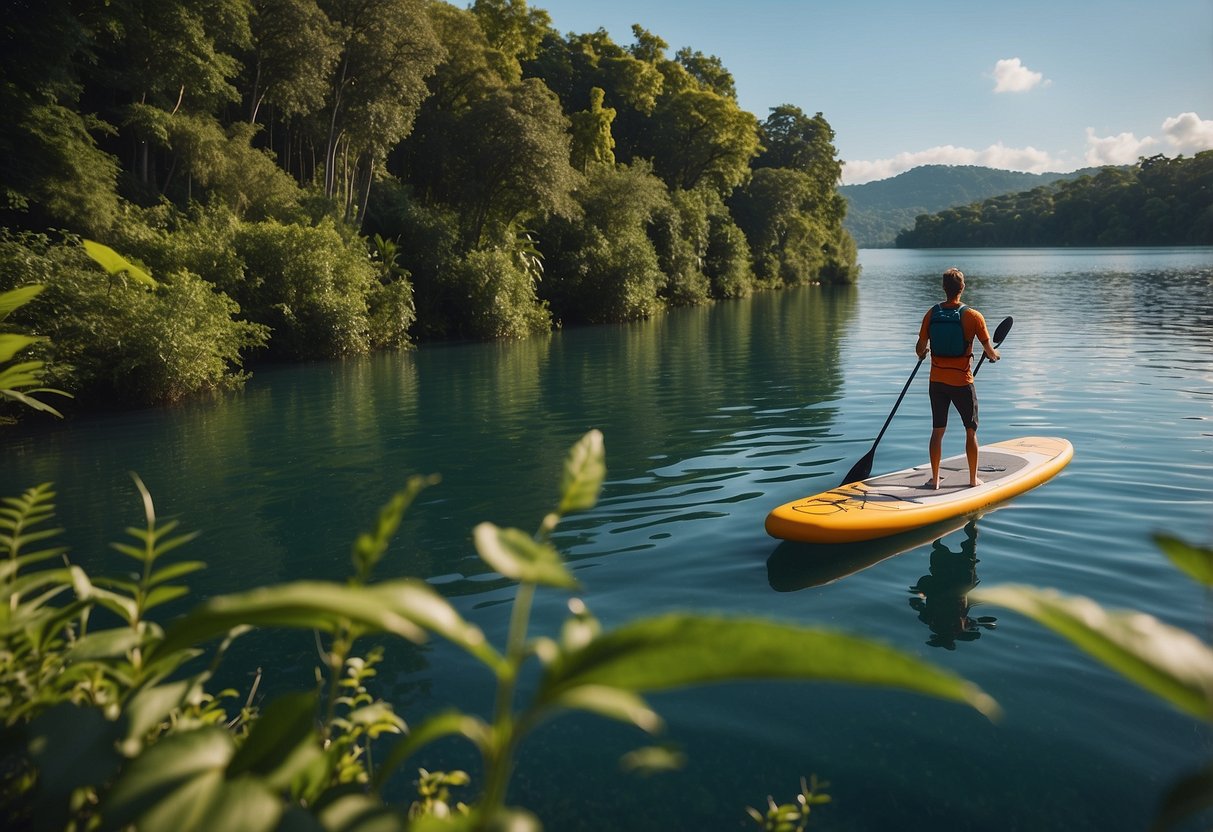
499	763
336	661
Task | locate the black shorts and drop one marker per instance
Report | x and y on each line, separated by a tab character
964	398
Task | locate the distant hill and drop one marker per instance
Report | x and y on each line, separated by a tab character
878	210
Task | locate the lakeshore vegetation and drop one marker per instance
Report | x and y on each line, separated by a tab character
318	178
1160	201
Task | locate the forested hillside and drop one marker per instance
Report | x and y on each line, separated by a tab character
877	211
312	178
1158	201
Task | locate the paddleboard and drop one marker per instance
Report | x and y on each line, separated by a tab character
893	503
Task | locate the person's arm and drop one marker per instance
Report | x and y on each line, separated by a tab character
983	335
991	353
924	338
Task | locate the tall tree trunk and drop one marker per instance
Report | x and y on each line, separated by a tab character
330	152
256	94
366	191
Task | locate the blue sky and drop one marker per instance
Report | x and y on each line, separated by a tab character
1025	85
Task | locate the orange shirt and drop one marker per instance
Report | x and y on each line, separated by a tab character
957	370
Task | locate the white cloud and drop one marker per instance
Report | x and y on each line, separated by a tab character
1188	133
1010	75
1121	149
998	155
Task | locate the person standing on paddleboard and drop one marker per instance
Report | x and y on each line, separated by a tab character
948	330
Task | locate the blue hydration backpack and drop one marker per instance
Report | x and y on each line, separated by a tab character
947	332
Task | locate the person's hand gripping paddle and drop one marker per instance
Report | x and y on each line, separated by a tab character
863	468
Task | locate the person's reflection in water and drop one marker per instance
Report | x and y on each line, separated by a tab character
942	597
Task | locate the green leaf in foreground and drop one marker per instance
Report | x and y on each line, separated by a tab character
16	298
173	784
517	555
678	650
407	608
584	471
370	546
1164	660
1195	561
282	742
114	263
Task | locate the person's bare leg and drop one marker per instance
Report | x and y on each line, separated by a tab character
936	449
971	453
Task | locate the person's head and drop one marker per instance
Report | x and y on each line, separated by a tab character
953	282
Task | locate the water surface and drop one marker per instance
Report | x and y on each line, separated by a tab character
712	417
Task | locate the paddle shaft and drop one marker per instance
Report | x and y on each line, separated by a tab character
863	468
893	412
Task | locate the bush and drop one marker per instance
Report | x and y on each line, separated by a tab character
310	286
114	340
427	245
390	313
727	261
224	165
605	268
680	235
500	297
201	241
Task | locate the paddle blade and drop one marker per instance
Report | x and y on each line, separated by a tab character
1000	335
1003	330
861	470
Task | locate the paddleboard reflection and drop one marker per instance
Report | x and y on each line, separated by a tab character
940	597
794	566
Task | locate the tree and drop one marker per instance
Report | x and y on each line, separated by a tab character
386	50
573	67
709	71
602	266
774	211
1159	201
52	171
470	71
699	136
165	56
293	56
513	28
793	140
50	164
592	141
511	161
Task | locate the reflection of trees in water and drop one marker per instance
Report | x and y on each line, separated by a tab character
282	476
941	598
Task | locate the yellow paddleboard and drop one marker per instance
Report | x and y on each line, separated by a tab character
892	503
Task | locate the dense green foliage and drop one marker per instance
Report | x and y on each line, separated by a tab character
262	146
876	211
1158	201
110	716
21	379
115	337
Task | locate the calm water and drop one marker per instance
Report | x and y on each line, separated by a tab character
712	417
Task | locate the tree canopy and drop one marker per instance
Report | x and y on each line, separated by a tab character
511	171
1158	201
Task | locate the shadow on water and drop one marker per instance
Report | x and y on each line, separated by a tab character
941	597
794	566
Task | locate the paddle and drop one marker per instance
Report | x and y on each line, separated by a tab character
863	468
1000	335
